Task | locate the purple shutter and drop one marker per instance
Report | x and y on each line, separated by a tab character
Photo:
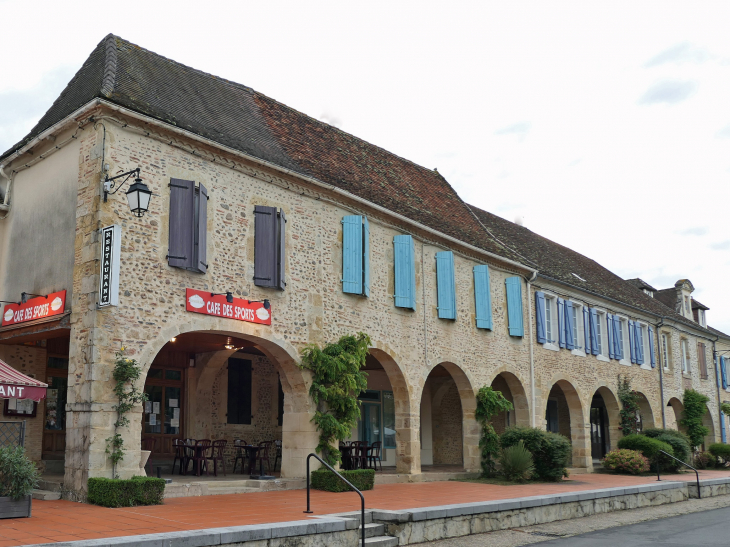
265	246
201	236
180	253
281	262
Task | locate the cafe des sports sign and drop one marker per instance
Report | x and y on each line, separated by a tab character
240	309
39	307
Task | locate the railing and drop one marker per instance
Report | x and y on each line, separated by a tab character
348	483
697	475
12	433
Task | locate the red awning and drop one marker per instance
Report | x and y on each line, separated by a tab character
16	385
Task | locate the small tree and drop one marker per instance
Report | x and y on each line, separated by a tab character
629	400
489	404
695	407
337	382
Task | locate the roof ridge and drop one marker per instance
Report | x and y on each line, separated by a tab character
110	65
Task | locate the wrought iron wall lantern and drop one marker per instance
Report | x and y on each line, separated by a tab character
138	195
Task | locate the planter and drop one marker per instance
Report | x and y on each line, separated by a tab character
144	455
10	508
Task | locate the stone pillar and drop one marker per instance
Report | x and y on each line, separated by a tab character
299	439
580	438
471	452
407	443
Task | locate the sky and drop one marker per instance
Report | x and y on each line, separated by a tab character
602	126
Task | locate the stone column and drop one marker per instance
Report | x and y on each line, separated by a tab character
407	443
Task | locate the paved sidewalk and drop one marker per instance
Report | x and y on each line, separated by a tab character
55	521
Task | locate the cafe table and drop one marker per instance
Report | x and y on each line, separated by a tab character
251	452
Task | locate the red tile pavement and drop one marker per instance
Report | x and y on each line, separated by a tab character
54	521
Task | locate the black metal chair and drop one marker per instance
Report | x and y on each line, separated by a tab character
374	454
218	455
181	457
238	444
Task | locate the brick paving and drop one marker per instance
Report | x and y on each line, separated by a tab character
55	521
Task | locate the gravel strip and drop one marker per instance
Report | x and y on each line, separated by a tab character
527	535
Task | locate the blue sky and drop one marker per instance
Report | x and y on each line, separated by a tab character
605	127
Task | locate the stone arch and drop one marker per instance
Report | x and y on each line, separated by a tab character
408	449
467	398
674	415
709	423
647	414
612	416
576	427
515	393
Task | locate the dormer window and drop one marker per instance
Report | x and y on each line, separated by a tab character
650	293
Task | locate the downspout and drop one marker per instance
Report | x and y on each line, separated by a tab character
5	205
661	372
532	354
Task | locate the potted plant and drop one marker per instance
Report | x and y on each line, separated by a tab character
18	478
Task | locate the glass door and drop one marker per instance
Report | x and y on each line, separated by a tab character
162	416
370	430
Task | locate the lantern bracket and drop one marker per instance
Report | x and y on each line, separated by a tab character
110	182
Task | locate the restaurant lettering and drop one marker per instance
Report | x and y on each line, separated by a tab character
16	392
111	246
240	309
39	307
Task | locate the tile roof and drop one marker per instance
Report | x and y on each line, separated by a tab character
668	297
640	284
696	304
554	261
718	332
238	117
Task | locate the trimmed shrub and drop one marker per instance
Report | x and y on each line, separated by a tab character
631	462
324	479
18	475
650	448
126	492
705	460
720	450
550	451
655	432
516	463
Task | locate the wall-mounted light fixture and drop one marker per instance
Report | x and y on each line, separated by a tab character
267	304
229	344
228	295
138	195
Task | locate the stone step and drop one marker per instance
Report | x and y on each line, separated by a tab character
50	485
373	530
46	495
382	541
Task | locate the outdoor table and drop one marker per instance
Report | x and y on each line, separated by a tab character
346	452
198	452
251	452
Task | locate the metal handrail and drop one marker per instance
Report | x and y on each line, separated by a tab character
348	483
697	475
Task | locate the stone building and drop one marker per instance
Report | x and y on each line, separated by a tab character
268	230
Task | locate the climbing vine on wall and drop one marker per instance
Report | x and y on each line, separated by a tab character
489	404
629	400
337	381
126	372
695	407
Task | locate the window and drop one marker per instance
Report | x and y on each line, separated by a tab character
623	338
646	350
703	320
685	356
388	420
356	255
188	226
665	351
600	333
687	306
549	319
650	293
239	391
702	360
551	416
578	328
269	247
546	320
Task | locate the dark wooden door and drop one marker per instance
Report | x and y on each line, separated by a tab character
54	427
163	412
598	432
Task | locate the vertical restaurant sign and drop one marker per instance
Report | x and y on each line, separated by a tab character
111	246
240	309
39	307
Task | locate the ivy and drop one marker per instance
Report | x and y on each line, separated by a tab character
629	399
695	407
337	381
489	404
725	408
126	372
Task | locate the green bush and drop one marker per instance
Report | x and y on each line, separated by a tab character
655	432
720	450
625	461
550	451
695	407
705	460
126	492
324	479
18	475
650	448
516	463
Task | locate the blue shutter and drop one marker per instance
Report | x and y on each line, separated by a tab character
483	297
586	330
722	427
652	354
594	331
639	337
446	285
609	331
632	341
405	272
352	254
540	317
366	256
723	372
561	322
618	347
514	306
569	325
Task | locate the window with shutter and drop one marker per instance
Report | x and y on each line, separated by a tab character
405	272
561	322
269	247
482	297
366	256
632	341
445	285
513	287
723	372
188	226
356	255
569	325
540	317
239	391
610	333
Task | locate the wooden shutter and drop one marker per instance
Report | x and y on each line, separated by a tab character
365	257
652	353
239	391
201	230
540	317
265	246
702	357
639	343
281	252
569	326
482	297
514	306
586	330
618	347
445	285
723	372
280	405
561	322
352	254
632	341
180	253
405	272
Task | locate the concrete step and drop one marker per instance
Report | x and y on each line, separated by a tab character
382	541
52	485
46	495
373	530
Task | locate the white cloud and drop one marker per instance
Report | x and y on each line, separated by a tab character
669	92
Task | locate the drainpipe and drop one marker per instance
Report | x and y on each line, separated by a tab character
532	354
5	205
661	371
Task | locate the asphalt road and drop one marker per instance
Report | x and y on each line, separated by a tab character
703	528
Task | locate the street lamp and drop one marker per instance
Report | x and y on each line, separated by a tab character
138	195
